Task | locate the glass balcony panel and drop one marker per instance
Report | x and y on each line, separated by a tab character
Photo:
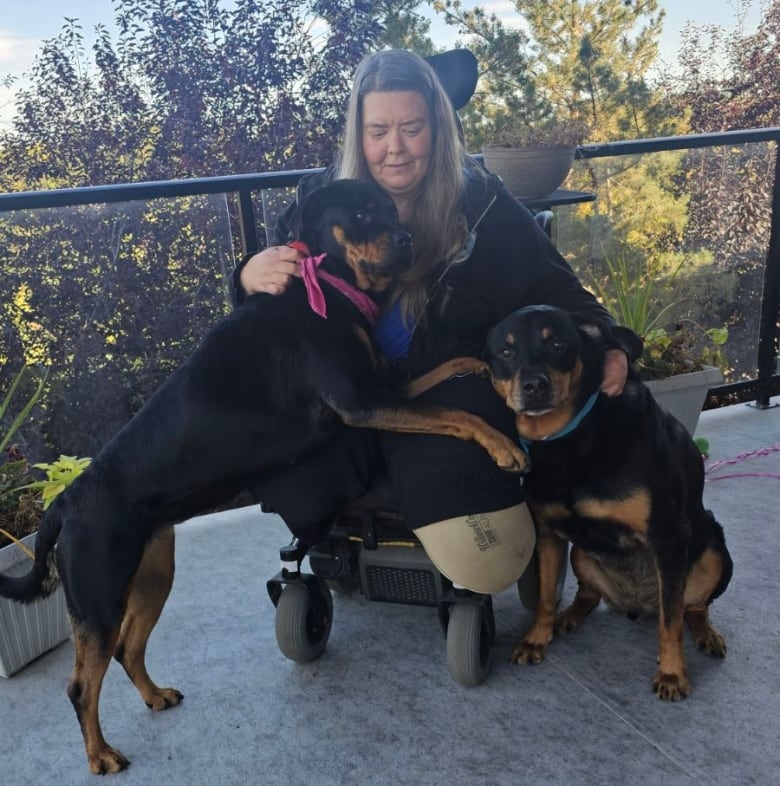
111	298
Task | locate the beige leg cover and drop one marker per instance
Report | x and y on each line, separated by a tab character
484	552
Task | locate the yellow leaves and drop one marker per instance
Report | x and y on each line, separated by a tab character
59	475
21	299
34	337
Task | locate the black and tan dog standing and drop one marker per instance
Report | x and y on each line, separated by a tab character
267	384
620	479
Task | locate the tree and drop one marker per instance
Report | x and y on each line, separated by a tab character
120	294
189	88
576	60
729	81
732	81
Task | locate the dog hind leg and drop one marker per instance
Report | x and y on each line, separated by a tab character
703	579
148	592
706	638
97	560
93	654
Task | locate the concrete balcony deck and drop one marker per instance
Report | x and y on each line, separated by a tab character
380	707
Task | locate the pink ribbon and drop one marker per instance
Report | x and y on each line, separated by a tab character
309	267
311	276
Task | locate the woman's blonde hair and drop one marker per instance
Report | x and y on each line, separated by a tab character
438	226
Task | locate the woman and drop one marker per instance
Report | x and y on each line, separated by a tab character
478	254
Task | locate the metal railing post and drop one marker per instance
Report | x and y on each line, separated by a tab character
246	222
770	300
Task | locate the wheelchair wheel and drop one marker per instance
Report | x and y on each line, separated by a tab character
468	644
303	623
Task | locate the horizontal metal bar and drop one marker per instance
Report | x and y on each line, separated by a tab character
687	142
160	189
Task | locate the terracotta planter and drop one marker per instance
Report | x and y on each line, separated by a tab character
530	172
684	394
28	630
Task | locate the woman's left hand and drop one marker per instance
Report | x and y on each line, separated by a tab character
615	372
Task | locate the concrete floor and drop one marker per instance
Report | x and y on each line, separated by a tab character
379	707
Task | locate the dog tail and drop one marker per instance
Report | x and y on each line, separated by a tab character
42	579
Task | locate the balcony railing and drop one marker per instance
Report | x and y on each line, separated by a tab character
247	191
767	381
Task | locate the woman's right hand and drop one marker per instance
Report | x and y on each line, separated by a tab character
271	270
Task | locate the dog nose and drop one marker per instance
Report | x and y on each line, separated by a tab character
534	384
402	239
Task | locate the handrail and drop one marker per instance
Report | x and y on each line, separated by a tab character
150	189
687	142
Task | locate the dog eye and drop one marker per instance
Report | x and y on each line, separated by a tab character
362	217
557	344
506	352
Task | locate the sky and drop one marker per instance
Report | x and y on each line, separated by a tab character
24	24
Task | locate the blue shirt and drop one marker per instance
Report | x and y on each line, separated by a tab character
392	334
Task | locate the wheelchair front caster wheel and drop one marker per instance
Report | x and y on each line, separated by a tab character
469	643
304	616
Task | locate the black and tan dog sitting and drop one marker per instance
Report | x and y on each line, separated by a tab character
267	384
620	479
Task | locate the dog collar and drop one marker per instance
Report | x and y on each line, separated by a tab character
312	275
569	427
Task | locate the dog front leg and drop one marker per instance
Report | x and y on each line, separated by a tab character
549	555
430	419
93	654
454	367
671	679
149	590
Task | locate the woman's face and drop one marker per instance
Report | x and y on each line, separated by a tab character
397	140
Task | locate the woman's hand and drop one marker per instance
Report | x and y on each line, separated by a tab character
271	270
615	372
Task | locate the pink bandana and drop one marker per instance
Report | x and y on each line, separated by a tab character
311	279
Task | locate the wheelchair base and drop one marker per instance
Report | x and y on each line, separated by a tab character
371	551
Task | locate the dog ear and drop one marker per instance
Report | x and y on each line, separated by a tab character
609	336
309	207
590	327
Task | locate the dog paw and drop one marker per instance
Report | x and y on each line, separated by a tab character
567	622
163	698
671	687
107	760
481	369
711	643
528	652
469	365
510	457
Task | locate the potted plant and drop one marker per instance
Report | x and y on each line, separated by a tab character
27	630
680	364
532	160
681	359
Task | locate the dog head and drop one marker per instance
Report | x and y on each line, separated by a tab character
356	225
545	363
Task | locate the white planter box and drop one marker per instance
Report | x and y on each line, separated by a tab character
27	630
684	395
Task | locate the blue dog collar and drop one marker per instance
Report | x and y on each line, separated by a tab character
525	444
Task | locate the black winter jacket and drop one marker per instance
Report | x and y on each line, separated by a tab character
512	264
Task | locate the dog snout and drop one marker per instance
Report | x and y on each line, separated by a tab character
535	385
